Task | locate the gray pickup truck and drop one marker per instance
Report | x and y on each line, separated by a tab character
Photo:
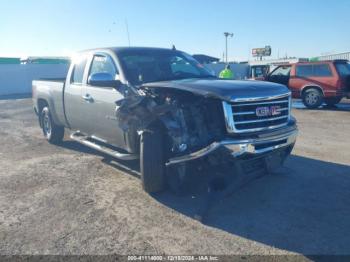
163	107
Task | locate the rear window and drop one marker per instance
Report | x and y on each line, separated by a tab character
78	70
318	70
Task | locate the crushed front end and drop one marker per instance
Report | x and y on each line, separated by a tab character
256	130
215	129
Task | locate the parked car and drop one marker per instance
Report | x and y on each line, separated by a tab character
315	82
163	107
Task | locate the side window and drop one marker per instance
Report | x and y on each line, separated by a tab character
318	70
78	71
282	70
322	70
343	68
304	70
103	64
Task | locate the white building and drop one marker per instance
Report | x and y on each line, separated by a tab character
16	75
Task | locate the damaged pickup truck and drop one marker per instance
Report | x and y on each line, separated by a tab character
163	107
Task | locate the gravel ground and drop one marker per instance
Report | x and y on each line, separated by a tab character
68	199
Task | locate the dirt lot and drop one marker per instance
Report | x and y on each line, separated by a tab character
68	200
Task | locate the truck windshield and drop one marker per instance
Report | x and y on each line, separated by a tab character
343	69
144	66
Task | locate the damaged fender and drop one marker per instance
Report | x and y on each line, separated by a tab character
188	122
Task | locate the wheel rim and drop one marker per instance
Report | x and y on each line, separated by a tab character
47	124
311	98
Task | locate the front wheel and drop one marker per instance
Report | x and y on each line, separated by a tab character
152	161
52	132
312	98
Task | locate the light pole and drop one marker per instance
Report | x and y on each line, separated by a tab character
227	34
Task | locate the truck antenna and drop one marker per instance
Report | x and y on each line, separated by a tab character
127	30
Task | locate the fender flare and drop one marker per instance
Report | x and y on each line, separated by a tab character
311	86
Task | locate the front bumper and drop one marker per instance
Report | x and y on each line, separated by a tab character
242	147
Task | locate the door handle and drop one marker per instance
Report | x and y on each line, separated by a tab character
88	98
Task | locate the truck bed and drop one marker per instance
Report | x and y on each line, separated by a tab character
50	91
52	79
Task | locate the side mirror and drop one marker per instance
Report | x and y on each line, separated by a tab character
104	80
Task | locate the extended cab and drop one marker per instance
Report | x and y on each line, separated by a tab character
315	82
161	106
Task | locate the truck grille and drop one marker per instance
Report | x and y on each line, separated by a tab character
257	115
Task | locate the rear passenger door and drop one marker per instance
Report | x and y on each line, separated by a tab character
100	109
325	77
73	94
301	76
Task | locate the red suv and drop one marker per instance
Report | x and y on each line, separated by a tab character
315	82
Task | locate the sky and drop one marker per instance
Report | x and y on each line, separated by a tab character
301	28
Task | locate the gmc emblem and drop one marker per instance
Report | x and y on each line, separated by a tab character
267	111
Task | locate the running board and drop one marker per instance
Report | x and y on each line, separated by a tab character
83	140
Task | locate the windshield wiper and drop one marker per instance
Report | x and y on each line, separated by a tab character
210	76
205	76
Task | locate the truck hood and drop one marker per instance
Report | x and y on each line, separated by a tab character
228	90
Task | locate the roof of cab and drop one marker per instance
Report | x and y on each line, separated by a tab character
123	49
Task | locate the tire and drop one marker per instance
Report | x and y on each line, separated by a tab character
332	101
52	132
152	161
312	98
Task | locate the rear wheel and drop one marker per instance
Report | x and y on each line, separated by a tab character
312	98
52	132
152	161
331	101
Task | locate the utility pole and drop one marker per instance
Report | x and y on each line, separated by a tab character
227	34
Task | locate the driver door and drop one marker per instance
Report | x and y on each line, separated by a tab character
280	75
100	106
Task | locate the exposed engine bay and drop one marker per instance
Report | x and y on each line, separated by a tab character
191	122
